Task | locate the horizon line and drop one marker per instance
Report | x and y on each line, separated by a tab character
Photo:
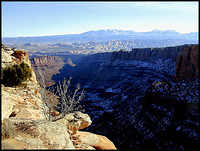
94	30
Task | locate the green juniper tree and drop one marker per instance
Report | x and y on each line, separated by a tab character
16	74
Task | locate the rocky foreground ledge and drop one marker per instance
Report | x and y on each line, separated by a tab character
20	133
24	125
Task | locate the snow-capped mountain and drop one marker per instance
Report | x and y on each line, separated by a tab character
104	35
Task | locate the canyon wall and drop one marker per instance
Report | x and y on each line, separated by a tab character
119	65
47	66
47	61
187	65
13	102
148	53
57	68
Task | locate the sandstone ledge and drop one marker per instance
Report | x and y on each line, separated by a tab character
97	141
19	133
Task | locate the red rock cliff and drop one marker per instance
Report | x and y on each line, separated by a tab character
47	60
187	65
49	65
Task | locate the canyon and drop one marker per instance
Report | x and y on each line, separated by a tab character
23	122
146	98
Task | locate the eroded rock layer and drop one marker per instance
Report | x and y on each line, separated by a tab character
187	65
47	66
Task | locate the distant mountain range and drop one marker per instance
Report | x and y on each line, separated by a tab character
103	35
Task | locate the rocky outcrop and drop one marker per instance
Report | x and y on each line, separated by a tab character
187	65
21	102
76	121
97	141
35	134
20	133
15	56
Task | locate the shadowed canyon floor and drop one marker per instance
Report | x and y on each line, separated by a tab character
141	99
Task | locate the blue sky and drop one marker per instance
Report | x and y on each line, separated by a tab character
59	18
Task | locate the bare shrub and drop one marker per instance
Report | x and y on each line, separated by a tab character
60	98
70	102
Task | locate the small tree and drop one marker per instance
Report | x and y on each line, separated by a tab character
60	98
69	102
16	74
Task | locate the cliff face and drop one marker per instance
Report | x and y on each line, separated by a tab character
11	57
48	65
21	102
104	69
47	61
120	65
148	53
187	65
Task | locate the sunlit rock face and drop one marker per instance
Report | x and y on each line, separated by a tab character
47	66
20	102
47	60
14	57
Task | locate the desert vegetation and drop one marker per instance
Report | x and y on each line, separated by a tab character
60	99
15	75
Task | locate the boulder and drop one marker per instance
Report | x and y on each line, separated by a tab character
84	118
34	134
21	54
97	141
76	121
